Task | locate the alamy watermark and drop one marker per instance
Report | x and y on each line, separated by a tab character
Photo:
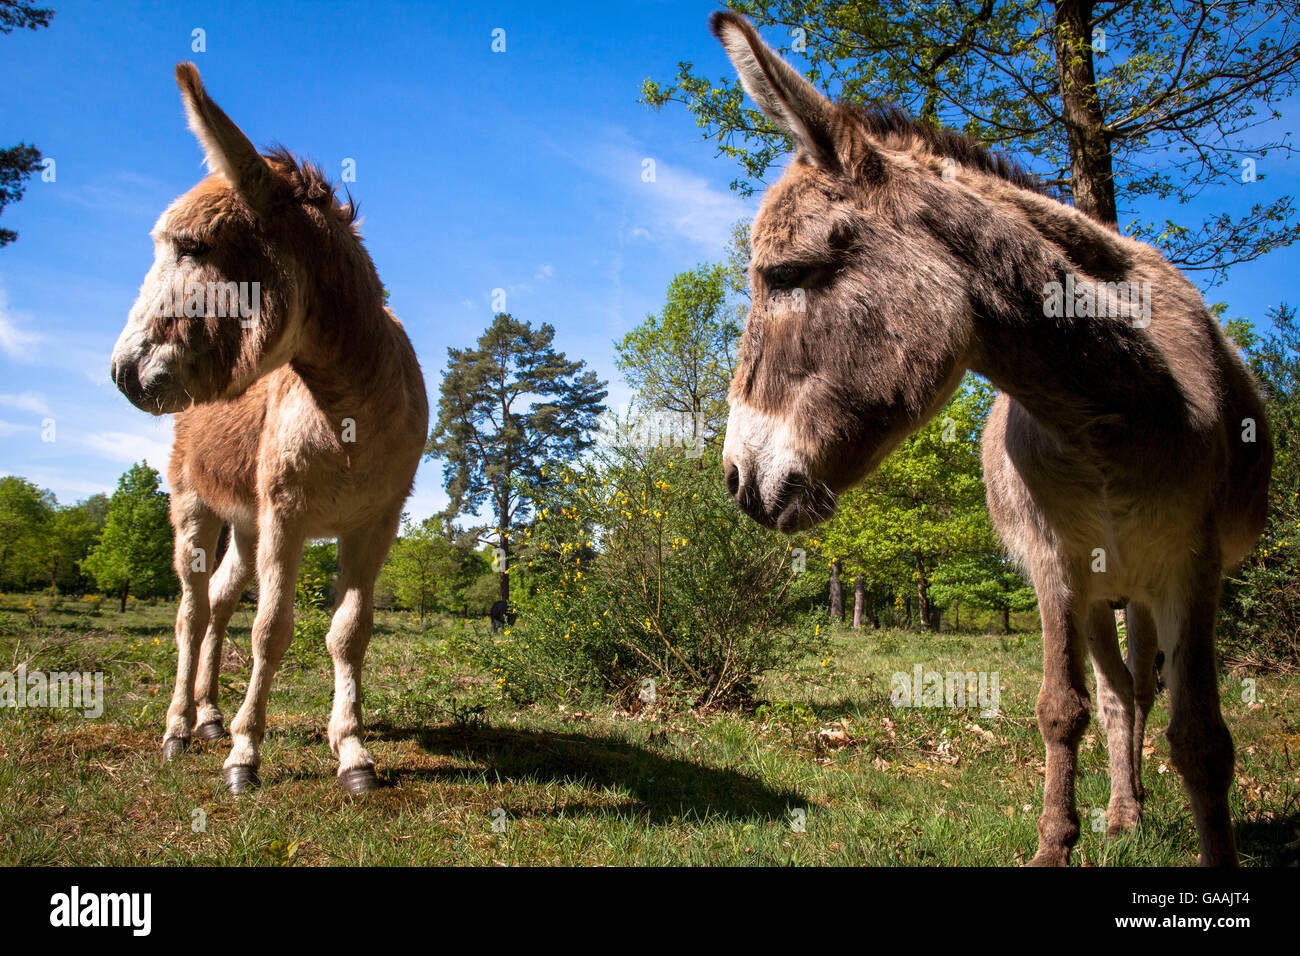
655	429
954	689
242	300
133	911
72	691
1083	298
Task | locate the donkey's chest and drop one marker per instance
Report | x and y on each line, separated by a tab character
278	447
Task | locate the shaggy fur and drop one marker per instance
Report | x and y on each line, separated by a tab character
1126	459
306	421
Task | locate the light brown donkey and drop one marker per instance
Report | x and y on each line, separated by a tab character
300	413
1126	460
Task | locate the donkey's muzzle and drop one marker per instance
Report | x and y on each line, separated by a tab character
155	390
796	503
126	376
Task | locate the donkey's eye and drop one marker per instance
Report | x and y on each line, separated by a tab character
785	276
185	247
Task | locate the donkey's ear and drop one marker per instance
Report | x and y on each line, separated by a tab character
227	149
796	106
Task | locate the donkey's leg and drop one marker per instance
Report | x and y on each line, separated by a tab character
1115	695
228	582
361	553
1141	660
196	529
279	549
1199	741
1062	716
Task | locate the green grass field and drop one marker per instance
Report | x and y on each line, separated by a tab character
869	783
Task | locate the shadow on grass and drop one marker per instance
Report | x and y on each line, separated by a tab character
1273	842
664	788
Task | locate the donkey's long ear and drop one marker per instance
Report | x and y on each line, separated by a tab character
796	106
227	149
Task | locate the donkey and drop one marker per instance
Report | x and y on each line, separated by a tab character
1126	458
300	413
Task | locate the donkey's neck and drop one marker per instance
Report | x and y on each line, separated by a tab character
347	348
1050	331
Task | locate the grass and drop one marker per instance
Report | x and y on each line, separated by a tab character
868	783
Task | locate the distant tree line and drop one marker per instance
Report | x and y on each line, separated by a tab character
120	545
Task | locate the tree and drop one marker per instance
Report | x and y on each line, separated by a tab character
18	162
836	591
1260	613
318	570
508	406
681	360
26	513
96	509
420	567
984	578
135	550
73	532
1118	100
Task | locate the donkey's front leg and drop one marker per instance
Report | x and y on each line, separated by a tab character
1062	716
361	554
1115	695
196	530
279	549
229	581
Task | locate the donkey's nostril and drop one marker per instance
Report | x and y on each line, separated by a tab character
126	376
733	479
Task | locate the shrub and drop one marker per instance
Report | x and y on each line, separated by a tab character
1260	620
639	567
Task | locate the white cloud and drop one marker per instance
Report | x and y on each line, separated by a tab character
32	402
15	341
10	428
676	204
130	447
65	489
687	205
545	272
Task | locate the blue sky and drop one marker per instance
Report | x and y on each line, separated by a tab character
474	171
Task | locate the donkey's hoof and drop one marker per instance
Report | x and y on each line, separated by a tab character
240	778
210	731
1123	819
359	780
173	747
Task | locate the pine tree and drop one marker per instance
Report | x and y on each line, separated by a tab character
508	406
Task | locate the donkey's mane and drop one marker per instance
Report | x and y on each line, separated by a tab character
311	185
888	122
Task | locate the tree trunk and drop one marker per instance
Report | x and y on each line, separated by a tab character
505	566
125	585
859	596
923	596
1006	619
1091	173
956	615
837	593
